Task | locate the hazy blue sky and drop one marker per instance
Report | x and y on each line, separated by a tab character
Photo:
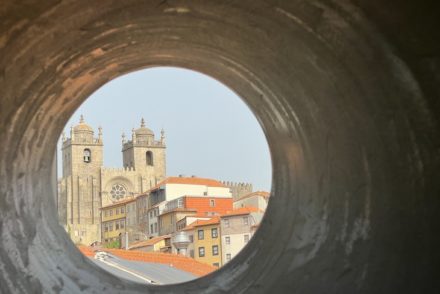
209	131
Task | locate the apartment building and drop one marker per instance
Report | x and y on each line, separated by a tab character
174	187
113	221
207	241
258	199
237	228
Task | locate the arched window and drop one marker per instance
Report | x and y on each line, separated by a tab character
150	158
87	155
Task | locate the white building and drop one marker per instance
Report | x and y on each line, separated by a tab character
174	187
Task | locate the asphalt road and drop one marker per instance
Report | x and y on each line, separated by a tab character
143	272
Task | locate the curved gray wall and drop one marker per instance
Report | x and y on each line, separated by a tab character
347	93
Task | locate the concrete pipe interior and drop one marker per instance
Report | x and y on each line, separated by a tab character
348	104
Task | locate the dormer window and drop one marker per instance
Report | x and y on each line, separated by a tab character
150	158
87	156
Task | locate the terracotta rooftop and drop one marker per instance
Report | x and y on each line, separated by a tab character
211	221
119	202
149	242
263	194
190	181
178	261
179	209
202	222
241	211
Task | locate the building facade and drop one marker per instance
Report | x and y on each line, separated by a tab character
207	242
86	185
237	228
113	221
258	199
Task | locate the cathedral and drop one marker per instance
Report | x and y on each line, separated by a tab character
86	185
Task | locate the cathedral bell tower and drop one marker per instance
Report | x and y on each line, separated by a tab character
82	157
145	155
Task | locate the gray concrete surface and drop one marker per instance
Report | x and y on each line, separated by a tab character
347	93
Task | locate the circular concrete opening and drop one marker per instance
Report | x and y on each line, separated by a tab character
208	133
353	143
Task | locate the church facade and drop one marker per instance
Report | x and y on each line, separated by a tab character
86	185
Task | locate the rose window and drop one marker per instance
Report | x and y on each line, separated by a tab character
118	192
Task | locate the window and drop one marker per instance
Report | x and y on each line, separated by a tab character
122	209
111	212
226	223
246	238
215	250
205	193
151	229
106	213
200	234
245	220
118	192
150	158
110	227
117	211
117	225
105	227
228	257
191	253
191	238
216	264
122	224
201	251
211	202
228	240
155	227
87	156
214	233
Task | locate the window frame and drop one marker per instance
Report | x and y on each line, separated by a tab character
228	240
201	233
202	252
213	236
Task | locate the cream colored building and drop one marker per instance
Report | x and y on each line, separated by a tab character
236	229
174	187
87	185
258	199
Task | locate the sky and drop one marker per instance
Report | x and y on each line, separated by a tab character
209	131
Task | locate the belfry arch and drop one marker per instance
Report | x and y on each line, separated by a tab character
346	92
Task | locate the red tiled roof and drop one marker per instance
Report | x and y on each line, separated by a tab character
263	194
178	261
211	221
149	242
179	209
190	181
241	211
124	201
